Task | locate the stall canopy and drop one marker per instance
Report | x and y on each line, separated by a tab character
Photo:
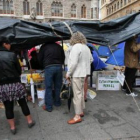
29	34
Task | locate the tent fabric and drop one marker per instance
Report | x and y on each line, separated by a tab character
97	63
29	34
121	45
117	58
104	51
90	45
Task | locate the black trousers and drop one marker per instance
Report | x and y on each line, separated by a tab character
9	108
129	79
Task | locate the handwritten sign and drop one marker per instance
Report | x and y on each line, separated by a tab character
108	81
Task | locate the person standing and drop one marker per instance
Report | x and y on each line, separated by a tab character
78	68
131	60
10	86
51	57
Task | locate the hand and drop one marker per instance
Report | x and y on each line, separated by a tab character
68	78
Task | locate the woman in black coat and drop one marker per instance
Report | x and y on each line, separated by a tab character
10	86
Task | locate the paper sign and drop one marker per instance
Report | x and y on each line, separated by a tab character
23	78
120	77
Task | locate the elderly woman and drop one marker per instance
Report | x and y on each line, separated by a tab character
10	86
78	68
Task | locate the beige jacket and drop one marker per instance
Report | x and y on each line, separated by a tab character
79	61
131	54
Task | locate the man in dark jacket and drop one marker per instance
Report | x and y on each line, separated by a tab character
51	57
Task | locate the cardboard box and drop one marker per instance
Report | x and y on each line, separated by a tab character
107	80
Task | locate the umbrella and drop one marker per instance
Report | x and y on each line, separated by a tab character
69	104
97	63
117	58
70	96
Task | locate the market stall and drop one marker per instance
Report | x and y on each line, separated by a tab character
34	83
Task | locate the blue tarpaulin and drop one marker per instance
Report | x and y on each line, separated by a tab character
98	63
121	45
104	51
117	57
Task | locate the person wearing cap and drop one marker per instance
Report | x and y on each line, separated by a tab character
10	86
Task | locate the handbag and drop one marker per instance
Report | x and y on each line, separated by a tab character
66	91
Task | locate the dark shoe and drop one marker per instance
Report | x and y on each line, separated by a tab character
13	131
30	125
44	108
85	100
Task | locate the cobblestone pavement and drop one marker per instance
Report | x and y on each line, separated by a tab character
110	116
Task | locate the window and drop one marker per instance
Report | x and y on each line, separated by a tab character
97	12
26	10
107	12
57	9
6	7
112	9
73	10
39	8
83	11
91	13
121	3
115	7
124	2
118	5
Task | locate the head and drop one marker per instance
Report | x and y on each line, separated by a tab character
6	45
78	37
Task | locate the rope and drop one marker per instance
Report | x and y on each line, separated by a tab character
54	31
71	32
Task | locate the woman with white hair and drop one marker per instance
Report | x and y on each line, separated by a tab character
78	68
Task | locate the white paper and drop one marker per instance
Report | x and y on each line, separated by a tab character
32	90
24	78
120	77
41	94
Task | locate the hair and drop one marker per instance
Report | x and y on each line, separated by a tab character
78	37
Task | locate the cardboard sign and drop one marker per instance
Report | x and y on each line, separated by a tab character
107	80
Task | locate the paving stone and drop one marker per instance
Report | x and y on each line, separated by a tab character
123	131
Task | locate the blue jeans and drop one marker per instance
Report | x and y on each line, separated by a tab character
53	79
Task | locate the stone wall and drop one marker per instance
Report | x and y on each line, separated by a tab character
18	9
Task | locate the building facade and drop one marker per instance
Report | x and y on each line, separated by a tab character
50	10
111	9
